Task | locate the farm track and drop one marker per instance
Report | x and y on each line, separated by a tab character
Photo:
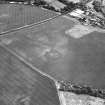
27	26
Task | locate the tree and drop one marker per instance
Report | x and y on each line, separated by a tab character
64	2
39	2
70	7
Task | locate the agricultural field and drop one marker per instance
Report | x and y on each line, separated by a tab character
60	55
14	16
31	59
19	84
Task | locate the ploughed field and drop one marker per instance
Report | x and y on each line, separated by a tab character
52	51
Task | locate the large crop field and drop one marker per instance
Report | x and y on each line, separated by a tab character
49	49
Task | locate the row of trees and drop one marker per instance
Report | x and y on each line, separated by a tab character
66	2
68	8
14	0
44	4
69	5
39	2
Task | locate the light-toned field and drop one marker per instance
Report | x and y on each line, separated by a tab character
68	98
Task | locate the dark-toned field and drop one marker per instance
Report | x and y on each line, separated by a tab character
21	85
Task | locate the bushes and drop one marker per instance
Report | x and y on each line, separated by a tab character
39	2
64	2
70	7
